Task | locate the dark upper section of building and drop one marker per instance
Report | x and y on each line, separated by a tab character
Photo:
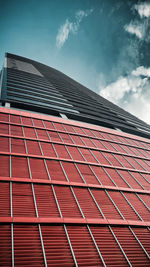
33	86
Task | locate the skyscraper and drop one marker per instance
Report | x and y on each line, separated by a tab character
74	175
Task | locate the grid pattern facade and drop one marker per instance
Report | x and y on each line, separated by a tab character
72	194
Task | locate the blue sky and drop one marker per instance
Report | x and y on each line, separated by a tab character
103	44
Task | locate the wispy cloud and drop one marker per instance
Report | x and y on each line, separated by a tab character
143	9
70	27
131	92
137	30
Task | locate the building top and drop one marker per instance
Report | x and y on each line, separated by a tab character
30	85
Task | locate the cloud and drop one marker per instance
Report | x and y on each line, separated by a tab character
143	9
137	30
70	27
131	92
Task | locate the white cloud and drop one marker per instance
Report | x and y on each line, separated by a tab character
138	30
143	9
131	93
70	27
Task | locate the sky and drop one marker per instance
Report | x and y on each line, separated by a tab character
103	44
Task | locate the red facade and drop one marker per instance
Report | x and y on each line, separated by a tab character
72	194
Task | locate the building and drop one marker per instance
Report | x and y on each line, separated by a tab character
74	173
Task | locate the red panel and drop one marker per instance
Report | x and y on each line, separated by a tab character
61	151
131	247
59	126
141	180
22	200
29	132
67	203
48	124
72	172
4	144
87	142
124	162
4	128
143	234
68	128
83	246
55	170
19	167
17	146
4	199
78	130
108	145
56	246
102	176
33	147
100	157
105	136
42	134
15	119
26	121
75	153
134	163
118	147
47	149
112	159
98	144
88	132
16	130
77	140
87	155
37	123
5	246
4	166
114	137
130	180
66	138
145	164
108	247
116	177
97	134
45	201
38	170
145	198
105	204
27	246
4	117
54	136
127	149
87	174
126	210
147	176
86	203
138	205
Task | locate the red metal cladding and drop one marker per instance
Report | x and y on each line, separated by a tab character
75	154
129	179
146	199
105	204
141	180
102	176
16	130
22	200
29	132
55	170
47	149
4	144
61	151
66	138
77	140
27	246
83	246
38	169
134	252
116	177
33	147
18	146
125	209
100	158
27	121
87	174
54	137
71	172
48	124
88	155
143	235
45	201
138	205
4	117
4	166
86	203
56	246
19	167
15	119
108	246
4	199
5	245
87	141
4	129
58	126
37	122
42	134
67	203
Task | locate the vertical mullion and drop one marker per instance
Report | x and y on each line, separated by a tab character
114	204
96	246
122	250
44	160
131	206
123	178
39	227
145	178
77	202
139	242
136	180
71	249
95	175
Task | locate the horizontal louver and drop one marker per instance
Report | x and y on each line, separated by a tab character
5	246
